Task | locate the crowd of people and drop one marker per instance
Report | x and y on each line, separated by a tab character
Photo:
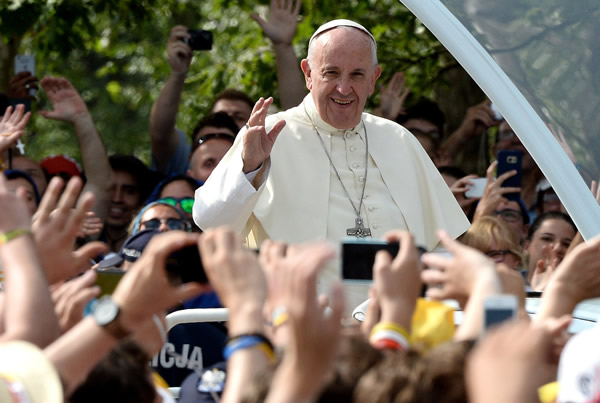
246	212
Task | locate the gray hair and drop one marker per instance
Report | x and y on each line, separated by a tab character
311	45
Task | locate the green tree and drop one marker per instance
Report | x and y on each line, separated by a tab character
114	53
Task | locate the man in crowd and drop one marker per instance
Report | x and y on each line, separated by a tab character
170	148
334	170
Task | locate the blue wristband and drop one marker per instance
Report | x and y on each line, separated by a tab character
240	343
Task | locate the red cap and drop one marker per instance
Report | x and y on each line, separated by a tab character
56	164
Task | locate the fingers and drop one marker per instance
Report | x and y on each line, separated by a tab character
275	130
87	252
48	202
490	173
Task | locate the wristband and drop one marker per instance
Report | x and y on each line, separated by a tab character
12	234
384	339
387	344
242	342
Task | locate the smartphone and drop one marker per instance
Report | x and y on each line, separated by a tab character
476	189
358	257
184	266
199	39
499	309
509	160
107	280
25	63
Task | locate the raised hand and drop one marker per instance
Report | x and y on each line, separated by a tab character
66	101
455	277
71	297
236	276
145	289
257	143
393	96
314	335
283	21
180	54
478	118
12	126
397	281
494	193
459	188
55	228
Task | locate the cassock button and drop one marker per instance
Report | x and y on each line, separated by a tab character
371	208
352	148
355	165
375	226
361	178
348	135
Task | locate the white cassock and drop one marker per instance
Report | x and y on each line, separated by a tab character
297	197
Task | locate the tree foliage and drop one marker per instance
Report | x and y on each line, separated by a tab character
114	53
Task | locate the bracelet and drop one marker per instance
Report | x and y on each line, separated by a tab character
387	344
388	339
242	342
12	234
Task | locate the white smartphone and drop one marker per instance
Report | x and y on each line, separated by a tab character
25	63
476	189
499	309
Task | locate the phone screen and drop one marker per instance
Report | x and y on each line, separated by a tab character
107	280
509	160
358	258
496	316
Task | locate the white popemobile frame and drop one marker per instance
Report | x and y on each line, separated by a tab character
533	133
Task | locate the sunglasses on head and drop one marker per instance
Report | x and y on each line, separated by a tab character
186	204
174	224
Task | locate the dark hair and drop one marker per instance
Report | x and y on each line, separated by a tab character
233	95
219	120
155	195
15	173
425	109
123	376
550	215
452	171
145	179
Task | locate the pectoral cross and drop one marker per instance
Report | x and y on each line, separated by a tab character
21	147
359	230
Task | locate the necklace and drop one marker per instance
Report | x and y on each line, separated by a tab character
359	230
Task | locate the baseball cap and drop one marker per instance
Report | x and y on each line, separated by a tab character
27	375
57	164
131	250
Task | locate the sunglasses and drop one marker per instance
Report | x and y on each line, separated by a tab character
509	215
174	224
186	204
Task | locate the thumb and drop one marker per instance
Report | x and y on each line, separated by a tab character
540	267
258	19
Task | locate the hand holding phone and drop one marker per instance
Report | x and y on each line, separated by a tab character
26	63
358	257
509	160
499	309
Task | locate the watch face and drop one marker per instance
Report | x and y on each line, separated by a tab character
105	311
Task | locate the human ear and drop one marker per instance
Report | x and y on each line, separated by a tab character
305	66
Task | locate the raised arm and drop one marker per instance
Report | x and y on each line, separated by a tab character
280	29
27	309
68	106
12	126
163	137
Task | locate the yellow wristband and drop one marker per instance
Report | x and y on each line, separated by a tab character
391	326
280	319
12	234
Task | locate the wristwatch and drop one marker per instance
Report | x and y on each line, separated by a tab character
106	314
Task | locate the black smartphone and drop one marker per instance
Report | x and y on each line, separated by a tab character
199	39
184	265
509	160
107	280
358	258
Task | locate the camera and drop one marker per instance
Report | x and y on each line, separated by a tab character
199	39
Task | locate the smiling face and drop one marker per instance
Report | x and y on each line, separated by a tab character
550	241
341	75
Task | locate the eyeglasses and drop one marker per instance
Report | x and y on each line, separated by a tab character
174	224
497	255
186	204
509	215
